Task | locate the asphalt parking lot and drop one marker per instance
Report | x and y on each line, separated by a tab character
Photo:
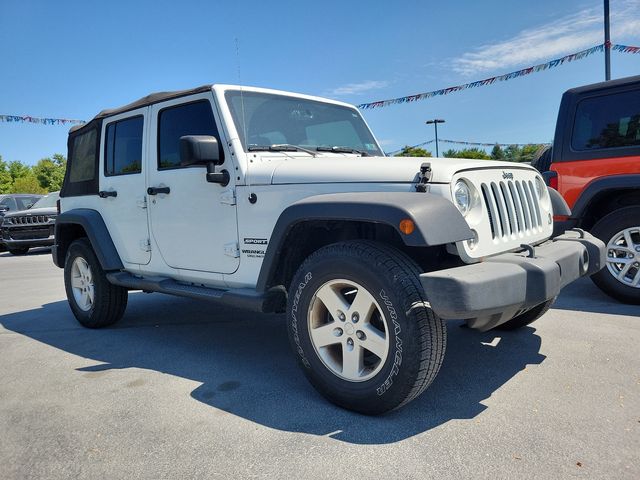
182	389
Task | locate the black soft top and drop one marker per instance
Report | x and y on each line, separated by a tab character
620	82
143	102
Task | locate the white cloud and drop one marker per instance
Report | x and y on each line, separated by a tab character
557	38
358	88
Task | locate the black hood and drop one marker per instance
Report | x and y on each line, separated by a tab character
51	211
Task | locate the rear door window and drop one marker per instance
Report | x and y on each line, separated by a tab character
123	147
607	121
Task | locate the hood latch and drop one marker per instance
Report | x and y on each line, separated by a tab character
423	177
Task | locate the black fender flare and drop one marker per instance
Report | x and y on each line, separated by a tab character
437	220
97	233
602	185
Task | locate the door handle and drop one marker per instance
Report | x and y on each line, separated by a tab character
157	190
107	193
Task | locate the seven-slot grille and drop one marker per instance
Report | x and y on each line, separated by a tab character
30	219
513	207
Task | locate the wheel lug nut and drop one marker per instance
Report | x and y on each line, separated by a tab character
337	332
341	316
350	341
360	334
355	317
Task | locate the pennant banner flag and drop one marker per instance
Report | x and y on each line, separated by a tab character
40	120
469	144
480	144
394	101
501	78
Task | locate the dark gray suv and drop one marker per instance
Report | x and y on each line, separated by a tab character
29	228
14	202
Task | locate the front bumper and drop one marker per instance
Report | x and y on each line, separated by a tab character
489	293
20	237
31	243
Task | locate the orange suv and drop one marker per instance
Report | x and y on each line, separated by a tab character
595	165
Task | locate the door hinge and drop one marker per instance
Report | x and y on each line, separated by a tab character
232	250
228	197
142	202
145	245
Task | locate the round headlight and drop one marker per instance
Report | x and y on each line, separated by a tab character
462	196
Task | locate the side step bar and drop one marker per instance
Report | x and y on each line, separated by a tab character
271	301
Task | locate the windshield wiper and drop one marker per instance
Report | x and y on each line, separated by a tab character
281	147
338	149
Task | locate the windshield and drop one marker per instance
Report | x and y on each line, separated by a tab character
47	201
273	120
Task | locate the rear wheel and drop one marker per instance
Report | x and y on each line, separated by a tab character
361	329
19	251
620	231
95	302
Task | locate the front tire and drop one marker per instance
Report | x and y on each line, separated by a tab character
361	327
94	301
620	231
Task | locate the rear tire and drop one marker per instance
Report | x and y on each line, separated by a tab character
94	301
383	345
620	231
19	251
527	317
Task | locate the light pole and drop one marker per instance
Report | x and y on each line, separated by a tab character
607	43
435	123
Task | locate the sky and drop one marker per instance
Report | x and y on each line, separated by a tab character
71	59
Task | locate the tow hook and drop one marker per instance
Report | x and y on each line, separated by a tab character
423	177
579	231
531	252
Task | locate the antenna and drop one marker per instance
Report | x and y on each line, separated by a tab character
244	122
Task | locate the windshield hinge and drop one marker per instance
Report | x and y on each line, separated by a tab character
232	250
142	202
145	245
228	197
423	177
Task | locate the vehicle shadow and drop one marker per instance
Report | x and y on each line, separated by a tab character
584	296
32	252
245	366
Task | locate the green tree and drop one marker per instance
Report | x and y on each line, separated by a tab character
475	153
17	169
27	184
408	151
526	153
5	177
512	153
50	172
497	153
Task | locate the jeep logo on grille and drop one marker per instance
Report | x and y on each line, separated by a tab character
507	175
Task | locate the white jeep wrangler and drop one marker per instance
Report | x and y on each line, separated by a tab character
275	202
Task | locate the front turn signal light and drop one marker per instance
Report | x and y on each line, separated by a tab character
407	226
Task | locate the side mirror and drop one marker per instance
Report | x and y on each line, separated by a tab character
199	150
4	208
203	150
